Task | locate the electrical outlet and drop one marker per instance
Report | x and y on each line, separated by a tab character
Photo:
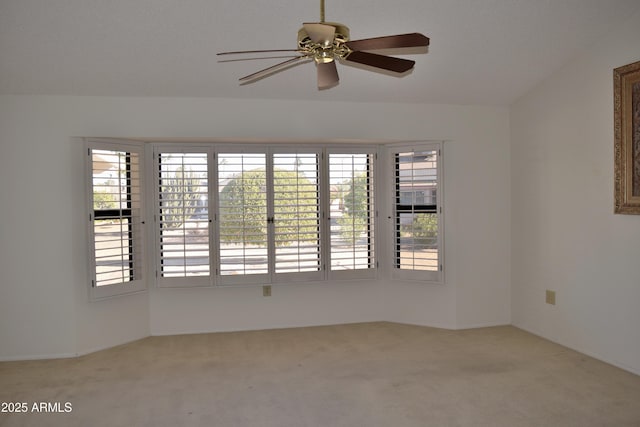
266	291
550	297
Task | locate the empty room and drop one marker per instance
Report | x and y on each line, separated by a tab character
320	213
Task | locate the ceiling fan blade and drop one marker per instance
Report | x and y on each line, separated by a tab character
274	68
327	75
389	42
397	65
257	51
258	58
320	33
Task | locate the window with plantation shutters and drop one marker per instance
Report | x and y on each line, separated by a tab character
277	214
269	216
417	213
116	218
242	217
238	214
351	212
183	216
296	212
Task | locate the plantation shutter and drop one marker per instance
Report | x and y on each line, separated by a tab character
416	211
296	212
183	217
352	212
116	218
242	205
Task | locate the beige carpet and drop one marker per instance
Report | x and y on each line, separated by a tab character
376	374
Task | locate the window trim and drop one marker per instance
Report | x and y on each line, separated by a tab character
383	207
272	277
188	281
292	277
231	280
214	150
434	277
139	284
368	273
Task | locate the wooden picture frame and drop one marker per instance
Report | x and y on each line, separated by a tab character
626	87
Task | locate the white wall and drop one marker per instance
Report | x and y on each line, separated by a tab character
477	222
36	277
565	236
44	309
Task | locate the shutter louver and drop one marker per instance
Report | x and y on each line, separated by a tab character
416	219
116	196
351	211
183	204
296	208
242	204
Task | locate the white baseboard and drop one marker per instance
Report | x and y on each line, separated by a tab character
65	355
581	350
482	325
251	329
106	347
439	326
451	327
425	324
37	357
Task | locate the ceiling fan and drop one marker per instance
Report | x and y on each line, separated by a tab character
326	42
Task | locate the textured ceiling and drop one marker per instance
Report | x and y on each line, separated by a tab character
486	52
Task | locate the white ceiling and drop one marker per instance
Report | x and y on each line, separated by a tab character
486	52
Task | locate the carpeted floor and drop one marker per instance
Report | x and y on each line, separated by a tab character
374	374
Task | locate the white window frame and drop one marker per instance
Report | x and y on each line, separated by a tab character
186	281
240	279
383	245
139	283
273	277
437	276
319	274
215	278
372	271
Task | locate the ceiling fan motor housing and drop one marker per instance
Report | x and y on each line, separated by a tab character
323	53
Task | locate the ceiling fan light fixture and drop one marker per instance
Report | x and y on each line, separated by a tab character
323	49
325	42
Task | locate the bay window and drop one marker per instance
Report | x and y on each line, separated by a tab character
252	214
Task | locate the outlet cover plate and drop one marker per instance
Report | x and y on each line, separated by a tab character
550	297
